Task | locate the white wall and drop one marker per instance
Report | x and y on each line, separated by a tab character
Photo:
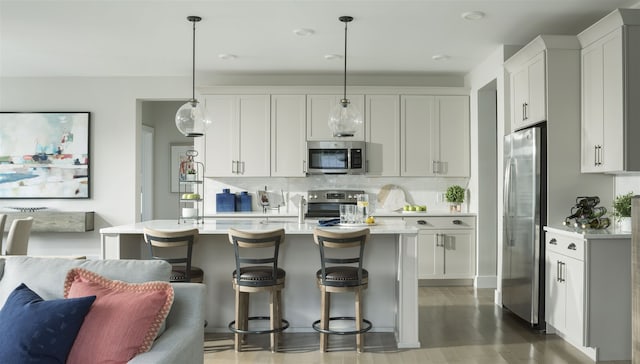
161	116
114	146
491	69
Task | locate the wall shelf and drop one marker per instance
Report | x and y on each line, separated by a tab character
55	221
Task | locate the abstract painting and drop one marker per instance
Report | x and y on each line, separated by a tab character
44	154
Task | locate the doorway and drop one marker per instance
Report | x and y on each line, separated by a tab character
488	185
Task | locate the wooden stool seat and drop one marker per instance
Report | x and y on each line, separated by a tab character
257	272
341	272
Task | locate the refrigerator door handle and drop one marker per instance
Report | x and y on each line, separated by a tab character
507	201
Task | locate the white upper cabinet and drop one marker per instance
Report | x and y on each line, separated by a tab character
383	135
528	93
610	90
434	136
288	132
453	147
238	141
318	109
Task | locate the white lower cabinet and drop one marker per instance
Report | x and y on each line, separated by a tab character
588	293
446	246
565	280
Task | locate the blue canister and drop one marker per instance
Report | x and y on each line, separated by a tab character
225	201
243	201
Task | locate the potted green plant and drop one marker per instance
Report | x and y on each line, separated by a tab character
455	197
622	211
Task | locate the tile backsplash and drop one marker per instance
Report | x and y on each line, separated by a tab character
421	191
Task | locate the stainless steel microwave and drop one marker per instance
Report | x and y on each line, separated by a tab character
336	157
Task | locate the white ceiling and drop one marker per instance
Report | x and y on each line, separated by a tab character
153	38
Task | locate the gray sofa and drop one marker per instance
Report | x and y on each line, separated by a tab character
182	340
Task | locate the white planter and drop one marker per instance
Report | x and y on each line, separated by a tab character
625	224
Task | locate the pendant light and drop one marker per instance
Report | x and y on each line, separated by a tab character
344	118
191	118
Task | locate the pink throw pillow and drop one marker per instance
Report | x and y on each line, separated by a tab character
122	322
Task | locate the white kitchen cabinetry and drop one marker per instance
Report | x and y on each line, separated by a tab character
588	291
318	109
238	141
561	60
288	127
528	93
434	136
610	90
446	246
383	135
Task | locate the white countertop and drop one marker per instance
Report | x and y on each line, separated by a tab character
221	226
610	233
294	215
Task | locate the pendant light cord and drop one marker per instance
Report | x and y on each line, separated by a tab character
193	63
345	61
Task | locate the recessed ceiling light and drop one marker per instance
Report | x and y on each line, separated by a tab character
303	32
440	57
227	56
330	57
472	15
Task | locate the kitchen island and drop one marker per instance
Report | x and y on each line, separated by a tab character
390	302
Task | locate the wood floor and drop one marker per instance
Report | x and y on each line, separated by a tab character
457	325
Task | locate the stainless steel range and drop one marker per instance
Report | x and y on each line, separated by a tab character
326	203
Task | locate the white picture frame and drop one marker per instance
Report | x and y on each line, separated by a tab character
178	154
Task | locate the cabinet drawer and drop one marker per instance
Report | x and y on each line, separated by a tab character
571	247
442	222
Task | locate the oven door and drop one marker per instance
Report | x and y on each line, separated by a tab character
320	210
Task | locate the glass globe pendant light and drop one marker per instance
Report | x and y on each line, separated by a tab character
191	118
344	118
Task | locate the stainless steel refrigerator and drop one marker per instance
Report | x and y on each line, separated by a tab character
525	197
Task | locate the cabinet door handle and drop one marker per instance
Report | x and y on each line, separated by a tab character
595	155
457	222
599	155
572	246
233	167
553	241
242	163
304	166
558	271
421	222
523	112
437	239
563	271
433	167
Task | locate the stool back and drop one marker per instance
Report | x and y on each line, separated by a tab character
172	239
269	244
327	240
18	237
3	221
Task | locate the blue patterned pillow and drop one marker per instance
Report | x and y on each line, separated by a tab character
36	331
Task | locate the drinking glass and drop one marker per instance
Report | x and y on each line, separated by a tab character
362	201
351	214
344	214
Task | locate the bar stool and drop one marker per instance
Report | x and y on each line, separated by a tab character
181	268
340	273
256	256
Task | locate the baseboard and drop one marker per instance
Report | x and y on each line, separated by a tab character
486	282
444	282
